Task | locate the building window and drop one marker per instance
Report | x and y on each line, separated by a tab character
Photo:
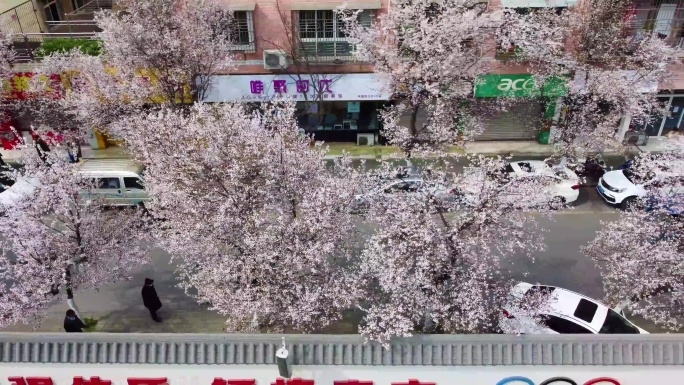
51	11
322	37
240	30
664	19
78	4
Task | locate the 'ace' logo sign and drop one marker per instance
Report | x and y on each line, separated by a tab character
507	85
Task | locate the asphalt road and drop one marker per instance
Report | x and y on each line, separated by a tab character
119	307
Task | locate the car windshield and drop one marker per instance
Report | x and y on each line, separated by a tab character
617	324
629	175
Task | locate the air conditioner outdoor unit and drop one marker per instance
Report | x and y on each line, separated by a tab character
274	59
365	139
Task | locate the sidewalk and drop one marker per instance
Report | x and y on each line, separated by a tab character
118	308
517	148
489	148
12	156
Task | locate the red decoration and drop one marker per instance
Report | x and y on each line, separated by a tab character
16	86
353	382
221	381
293	381
92	381
413	382
31	380
602	379
147	381
8	137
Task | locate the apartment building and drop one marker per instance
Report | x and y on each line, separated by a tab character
338	96
343	95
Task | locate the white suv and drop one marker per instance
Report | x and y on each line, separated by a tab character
620	187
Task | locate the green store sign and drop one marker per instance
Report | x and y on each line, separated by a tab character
496	86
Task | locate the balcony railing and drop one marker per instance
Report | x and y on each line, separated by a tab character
26	45
93	6
73	26
327	50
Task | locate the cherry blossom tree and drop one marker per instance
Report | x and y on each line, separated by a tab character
257	224
55	240
6	59
436	254
615	70
152	53
432	53
6	54
641	255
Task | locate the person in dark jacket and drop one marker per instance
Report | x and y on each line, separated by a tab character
151	299
41	147
73	324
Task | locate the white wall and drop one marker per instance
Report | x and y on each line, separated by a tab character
327	375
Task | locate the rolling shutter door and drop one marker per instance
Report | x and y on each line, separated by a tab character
520	121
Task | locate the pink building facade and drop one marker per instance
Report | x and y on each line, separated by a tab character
339	97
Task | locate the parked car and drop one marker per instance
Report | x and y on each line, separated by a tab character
623	188
562	186
567	313
18	190
395	187
118	181
566	186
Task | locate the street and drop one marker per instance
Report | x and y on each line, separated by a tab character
118	308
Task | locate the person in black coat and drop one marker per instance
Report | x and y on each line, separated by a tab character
151	299
42	147
73	324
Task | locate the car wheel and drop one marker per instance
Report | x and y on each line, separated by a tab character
628	203
557	202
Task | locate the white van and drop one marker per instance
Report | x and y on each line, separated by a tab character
118	181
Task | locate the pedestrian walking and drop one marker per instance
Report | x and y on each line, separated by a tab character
41	147
73	324
151	299
74	151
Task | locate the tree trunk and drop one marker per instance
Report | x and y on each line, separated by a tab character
70	292
413	129
72	303
638	297
413	123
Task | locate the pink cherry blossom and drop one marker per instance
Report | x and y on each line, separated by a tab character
155	52
437	258
640	255
259	227
53	239
7	53
432	53
614	72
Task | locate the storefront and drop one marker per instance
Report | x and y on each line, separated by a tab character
15	89
332	107
663	125
526	110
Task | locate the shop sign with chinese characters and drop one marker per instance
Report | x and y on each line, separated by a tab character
103	374
259	88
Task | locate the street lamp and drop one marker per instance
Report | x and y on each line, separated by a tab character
284	367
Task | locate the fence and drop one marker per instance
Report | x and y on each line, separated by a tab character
21	19
92	6
26	44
